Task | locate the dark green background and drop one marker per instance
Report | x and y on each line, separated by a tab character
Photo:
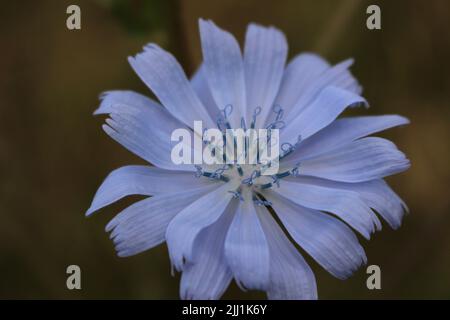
53	153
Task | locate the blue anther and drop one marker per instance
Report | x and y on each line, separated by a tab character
227	110
276	180
279	111
243	124
236	195
277	124
249	181
283	175
295	171
199	171
266	185
260	202
222	118
256	113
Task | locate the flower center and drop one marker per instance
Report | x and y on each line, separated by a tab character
251	178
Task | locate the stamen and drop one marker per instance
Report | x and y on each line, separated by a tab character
277	177
222	118
199	171
295	171
265	186
216	175
206	142
237	194
227	110
220	171
279	111
250	180
283	174
256	113
276	180
288	148
277	124
243	124
211	175
239	170
260	202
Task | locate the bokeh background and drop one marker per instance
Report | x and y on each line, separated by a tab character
54	154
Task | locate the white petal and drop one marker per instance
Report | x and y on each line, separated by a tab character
246	248
224	69
265	55
164	76
361	160
208	275
143	180
345	204
290	276
183	230
329	241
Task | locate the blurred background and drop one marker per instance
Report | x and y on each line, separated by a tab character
54	154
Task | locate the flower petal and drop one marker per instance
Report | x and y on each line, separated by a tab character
340	132
375	193
224	69
201	88
186	226
265	55
246	248
329	241
290	276
132	133
300	73
164	76
336	76
361	160
143	180
142	126
143	225
321	112
123	101
345	204
208	275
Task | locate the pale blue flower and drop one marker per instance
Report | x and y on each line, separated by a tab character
219	228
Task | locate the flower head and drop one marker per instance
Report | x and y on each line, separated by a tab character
219	220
